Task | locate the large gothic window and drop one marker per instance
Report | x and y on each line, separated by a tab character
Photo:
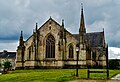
70	51
50	47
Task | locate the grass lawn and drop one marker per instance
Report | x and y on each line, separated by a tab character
49	75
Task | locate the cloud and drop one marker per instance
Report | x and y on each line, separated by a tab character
24	3
17	15
9	46
114	53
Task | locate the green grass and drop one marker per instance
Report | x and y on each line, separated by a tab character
49	75
103	75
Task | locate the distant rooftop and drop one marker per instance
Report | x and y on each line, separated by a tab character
6	54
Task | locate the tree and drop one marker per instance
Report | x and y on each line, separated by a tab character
0	65
113	64
7	64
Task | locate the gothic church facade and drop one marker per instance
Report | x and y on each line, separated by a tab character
52	46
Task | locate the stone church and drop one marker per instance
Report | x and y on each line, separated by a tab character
52	46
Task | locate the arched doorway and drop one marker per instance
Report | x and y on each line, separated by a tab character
50	47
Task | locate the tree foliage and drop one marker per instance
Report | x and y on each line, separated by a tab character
114	64
0	65
7	64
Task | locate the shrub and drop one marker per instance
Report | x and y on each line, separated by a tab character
0	65
113	64
7	65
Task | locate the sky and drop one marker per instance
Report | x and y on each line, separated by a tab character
17	15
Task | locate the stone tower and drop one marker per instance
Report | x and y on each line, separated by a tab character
82	45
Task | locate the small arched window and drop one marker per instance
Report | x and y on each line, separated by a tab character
70	51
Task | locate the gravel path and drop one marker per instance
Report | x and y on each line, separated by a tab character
117	77
114	79
95	81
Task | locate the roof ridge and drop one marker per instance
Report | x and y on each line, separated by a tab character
94	32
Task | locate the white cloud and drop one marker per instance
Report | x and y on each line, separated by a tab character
24	3
97	3
17	15
9	46
114	53
97	26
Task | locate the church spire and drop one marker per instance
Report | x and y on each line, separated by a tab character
21	39
82	24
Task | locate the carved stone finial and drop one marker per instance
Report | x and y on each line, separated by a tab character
62	22
36	26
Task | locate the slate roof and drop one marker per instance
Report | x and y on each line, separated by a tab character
8	55
95	38
76	36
